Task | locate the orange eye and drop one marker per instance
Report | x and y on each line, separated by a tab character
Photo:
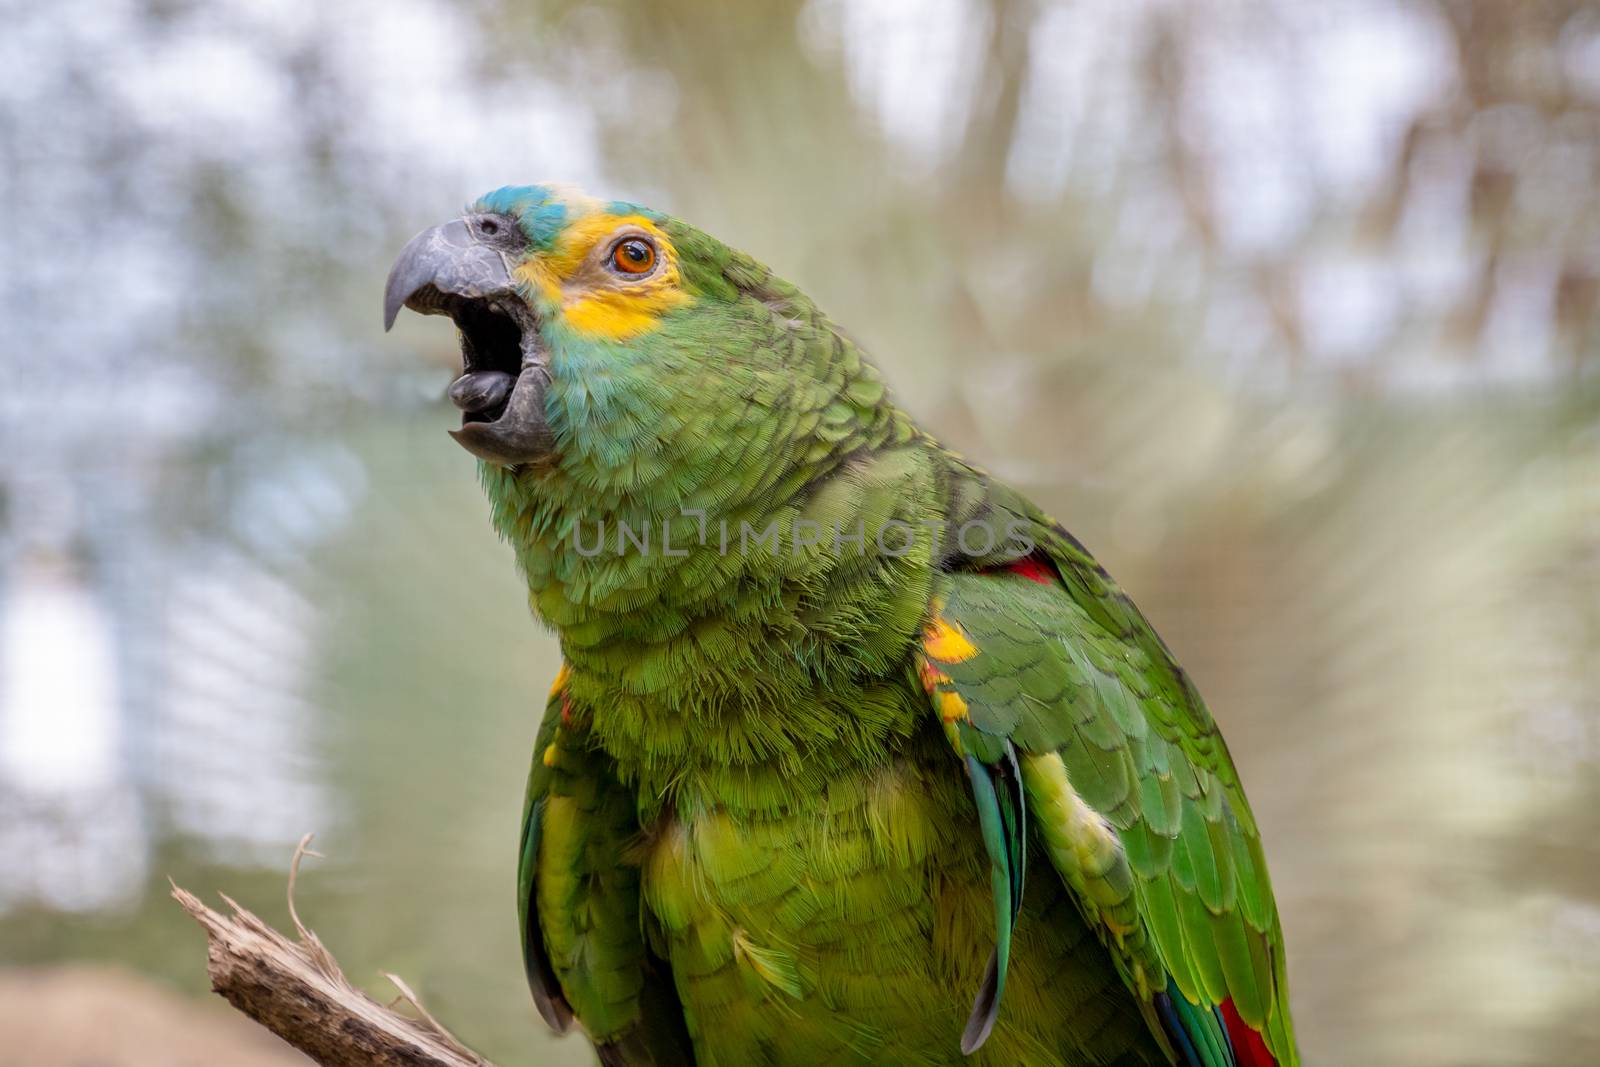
633	256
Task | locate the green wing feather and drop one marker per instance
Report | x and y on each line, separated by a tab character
1126	779
579	906
1002	819
547	995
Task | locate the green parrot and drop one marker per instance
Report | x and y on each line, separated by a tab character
855	756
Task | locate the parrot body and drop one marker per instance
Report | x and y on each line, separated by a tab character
848	733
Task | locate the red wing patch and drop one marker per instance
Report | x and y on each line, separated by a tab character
1032	570
1248	1047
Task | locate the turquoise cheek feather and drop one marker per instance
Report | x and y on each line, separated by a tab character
604	404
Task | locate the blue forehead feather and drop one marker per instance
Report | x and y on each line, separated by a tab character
537	209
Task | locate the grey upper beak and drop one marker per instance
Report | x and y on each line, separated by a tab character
445	259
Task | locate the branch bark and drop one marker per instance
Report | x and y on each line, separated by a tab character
296	989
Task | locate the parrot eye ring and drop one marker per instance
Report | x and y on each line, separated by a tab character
634	255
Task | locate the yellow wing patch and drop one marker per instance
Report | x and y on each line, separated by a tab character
591	304
946	643
552	751
950	704
560	683
943	643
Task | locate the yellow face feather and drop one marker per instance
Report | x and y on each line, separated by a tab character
594	301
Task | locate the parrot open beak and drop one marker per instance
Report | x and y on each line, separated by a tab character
460	269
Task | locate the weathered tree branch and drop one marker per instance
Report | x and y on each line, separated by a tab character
297	990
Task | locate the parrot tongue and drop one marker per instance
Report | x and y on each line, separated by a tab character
482	395
491	357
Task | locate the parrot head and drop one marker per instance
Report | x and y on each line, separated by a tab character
607	337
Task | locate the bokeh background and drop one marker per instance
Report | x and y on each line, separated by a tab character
1290	310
